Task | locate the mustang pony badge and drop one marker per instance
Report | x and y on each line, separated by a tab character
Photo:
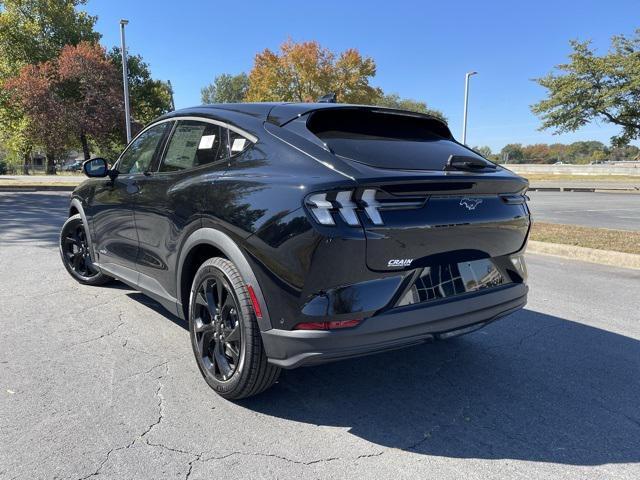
470	203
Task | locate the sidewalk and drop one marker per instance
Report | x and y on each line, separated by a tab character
585	186
41	179
33	183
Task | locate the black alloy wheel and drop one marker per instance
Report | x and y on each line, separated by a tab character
225	335
76	253
217	327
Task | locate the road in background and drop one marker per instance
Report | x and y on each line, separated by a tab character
603	210
102	381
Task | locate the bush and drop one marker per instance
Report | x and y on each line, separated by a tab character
3	167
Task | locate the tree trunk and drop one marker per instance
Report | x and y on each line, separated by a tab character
26	159
51	166
85	146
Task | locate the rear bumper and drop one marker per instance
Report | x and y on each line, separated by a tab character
399	327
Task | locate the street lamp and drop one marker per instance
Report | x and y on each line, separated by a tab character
125	80
466	106
173	104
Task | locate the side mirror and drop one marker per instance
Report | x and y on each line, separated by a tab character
95	168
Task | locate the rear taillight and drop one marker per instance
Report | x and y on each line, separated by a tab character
324	205
371	206
347	208
321	208
331	325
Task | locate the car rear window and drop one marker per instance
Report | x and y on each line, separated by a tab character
385	139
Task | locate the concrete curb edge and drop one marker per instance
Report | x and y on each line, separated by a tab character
592	255
37	188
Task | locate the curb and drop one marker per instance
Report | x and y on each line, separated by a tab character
591	255
37	188
586	189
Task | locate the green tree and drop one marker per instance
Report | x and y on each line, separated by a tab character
484	151
34	31
149	98
14	136
592	87
393	100
582	152
628	152
226	88
512	153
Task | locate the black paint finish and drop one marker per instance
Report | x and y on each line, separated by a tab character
303	271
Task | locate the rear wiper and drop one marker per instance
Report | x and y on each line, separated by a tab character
461	162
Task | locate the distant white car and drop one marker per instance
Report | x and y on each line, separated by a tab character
73	167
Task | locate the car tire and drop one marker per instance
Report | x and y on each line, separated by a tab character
224	332
76	253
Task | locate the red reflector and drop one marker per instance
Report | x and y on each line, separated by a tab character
254	301
326	325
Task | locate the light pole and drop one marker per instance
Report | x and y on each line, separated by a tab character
173	104
125	80
466	106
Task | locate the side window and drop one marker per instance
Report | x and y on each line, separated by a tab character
194	144
238	142
138	157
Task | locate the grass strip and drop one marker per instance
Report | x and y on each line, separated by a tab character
599	238
560	177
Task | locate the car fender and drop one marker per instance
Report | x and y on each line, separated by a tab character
232	251
77	204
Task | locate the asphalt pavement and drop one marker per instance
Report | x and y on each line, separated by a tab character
591	209
100	382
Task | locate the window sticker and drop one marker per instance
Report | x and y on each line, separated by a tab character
238	144
183	146
206	142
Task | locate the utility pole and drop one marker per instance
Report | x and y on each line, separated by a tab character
466	106
173	105
125	80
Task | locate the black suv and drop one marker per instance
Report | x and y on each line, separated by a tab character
296	234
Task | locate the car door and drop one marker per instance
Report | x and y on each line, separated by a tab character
169	202
111	206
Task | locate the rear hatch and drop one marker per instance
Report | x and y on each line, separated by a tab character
424	198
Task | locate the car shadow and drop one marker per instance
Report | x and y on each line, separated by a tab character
32	217
156	307
529	387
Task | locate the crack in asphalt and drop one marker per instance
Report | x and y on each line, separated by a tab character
94	339
272	455
145	372
160	397
160	401
96	472
198	458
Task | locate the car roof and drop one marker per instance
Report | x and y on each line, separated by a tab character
280	113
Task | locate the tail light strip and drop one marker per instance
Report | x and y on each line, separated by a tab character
347	202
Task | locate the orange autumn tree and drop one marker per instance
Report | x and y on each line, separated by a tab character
304	72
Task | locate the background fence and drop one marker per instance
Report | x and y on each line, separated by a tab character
630	168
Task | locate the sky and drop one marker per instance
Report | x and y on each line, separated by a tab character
422	49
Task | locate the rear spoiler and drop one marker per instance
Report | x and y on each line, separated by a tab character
468	163
282	114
